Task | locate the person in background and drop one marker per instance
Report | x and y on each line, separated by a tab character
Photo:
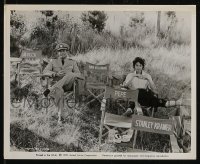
64	71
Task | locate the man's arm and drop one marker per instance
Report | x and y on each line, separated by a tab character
48	69
75	68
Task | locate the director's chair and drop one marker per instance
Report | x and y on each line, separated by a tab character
28	77
97	78
109	121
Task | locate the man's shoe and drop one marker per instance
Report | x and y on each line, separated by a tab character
46	92
61	121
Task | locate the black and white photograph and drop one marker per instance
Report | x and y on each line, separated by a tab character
99	82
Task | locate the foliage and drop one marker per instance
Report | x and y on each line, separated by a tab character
53	27
17	30
96	19
43	35
137	20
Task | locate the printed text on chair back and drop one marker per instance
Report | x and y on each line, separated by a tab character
130	95
29	67
31	62
97	74
154	125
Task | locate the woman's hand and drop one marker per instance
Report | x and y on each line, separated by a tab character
145	77
123	87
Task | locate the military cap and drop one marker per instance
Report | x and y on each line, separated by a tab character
62	46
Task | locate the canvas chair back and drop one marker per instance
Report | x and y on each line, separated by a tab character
29	67
97	75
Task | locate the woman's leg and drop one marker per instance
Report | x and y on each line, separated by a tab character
149	99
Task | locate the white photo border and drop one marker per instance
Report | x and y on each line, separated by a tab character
95	155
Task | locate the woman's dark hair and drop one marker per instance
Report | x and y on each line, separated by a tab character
140	60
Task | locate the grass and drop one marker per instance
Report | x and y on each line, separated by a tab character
169	67
170	70
168	61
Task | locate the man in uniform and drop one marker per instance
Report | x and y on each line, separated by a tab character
64	71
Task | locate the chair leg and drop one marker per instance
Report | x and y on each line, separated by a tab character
101	127
25	99
95	97
134	140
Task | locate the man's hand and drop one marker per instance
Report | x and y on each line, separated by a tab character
53	74
60	73
79	76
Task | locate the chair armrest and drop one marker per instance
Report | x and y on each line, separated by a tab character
116	80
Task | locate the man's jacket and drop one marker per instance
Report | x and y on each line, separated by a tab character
55	66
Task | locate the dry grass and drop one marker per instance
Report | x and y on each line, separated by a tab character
167	61
46	126
169	67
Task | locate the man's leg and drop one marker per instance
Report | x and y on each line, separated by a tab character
58	95
60	108
66	80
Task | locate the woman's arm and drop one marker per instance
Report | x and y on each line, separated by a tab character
129	79
151	83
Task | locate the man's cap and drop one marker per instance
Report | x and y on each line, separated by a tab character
62	46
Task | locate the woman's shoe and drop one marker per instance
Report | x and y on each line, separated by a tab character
127	136
118	138
179	102
128	112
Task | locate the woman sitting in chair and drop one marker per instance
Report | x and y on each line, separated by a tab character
142	81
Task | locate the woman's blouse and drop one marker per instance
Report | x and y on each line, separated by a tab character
138	83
